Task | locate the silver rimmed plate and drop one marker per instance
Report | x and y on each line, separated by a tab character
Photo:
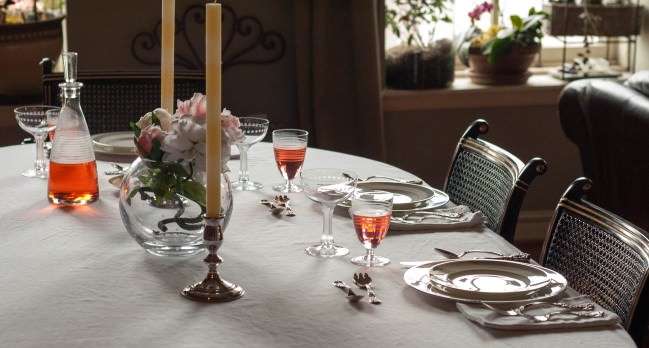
488	278
407	197
114	143
418	277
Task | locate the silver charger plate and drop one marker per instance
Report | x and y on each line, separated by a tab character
407	197
488	278
114	143
418	277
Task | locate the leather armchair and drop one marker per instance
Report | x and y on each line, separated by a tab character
609	123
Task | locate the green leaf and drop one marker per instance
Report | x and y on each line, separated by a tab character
155	153
194	191
517	22
154	119
136	129
498	48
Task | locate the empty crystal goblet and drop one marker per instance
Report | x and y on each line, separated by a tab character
34	120
328	187
254	128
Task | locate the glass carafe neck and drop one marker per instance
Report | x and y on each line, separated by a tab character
71	90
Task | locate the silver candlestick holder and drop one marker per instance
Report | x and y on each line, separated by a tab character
213	288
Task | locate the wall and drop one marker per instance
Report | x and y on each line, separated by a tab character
102	32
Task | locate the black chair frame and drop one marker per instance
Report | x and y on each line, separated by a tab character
485	177
602	255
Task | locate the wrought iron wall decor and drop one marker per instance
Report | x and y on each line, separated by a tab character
244	41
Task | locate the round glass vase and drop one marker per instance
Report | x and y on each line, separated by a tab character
162	206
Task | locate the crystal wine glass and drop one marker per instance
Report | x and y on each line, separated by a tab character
289	146
52	117
254	128
328	187
34	120
371	211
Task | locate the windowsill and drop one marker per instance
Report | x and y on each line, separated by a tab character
540	89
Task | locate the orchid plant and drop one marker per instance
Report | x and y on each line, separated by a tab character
173	146
496	42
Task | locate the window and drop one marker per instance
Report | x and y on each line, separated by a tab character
552	53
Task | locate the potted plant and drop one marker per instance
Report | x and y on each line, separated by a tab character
29	31
425	56
501	55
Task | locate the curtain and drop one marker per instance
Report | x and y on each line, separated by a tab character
339	76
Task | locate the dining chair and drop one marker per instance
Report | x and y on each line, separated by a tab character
112	99
485	177
602	255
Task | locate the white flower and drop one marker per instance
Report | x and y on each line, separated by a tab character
163	116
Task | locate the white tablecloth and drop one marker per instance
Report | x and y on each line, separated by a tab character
73	277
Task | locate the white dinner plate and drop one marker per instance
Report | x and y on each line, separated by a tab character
114	143
494	279
418	277
407	197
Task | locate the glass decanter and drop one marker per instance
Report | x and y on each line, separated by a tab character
73	169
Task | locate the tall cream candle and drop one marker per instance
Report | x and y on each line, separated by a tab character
167	55
213	98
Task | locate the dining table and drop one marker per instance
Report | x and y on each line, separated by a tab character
74	277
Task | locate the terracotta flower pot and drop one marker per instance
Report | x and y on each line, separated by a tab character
510	70
22	46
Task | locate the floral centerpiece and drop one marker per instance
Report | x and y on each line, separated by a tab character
163	195
504	50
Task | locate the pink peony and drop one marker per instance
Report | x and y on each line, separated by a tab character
196	107
147	135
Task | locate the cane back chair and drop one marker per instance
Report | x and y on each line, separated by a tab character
487	178
112	99
601	255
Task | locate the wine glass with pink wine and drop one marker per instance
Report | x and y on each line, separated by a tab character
371	212
289	146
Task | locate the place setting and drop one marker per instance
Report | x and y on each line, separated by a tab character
505	291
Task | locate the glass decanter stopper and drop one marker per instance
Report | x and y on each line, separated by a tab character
73	169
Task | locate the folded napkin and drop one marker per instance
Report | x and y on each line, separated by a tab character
488	318
468	219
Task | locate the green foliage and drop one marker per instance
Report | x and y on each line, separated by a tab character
525	32
404	18
169	181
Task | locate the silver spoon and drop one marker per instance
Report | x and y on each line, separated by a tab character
521	257
351	295
364	281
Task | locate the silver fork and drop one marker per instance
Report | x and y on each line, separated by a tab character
283	201
364	281
548	316
519	311
419	214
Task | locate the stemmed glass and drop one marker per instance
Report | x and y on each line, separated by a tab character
328	187
34	120
371	211
254	128
289	146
